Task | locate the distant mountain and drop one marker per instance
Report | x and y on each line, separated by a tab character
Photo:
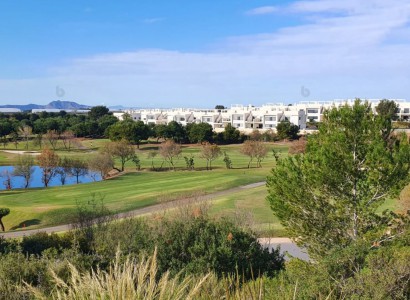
66	105
53	105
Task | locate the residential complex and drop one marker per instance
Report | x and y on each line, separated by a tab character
247	118
244	118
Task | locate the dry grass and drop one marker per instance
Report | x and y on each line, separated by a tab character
137	279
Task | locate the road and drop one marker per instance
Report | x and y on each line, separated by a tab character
138	212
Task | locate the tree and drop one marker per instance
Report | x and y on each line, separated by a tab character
175	131
210	152
151	155
52	137
133	132
15	138
160	131
190	163
255	135
123	150
25	132
38	140
78	168
386	110
287	130
329	196
67	138
98	111
7	183
198	133
231	134
3	212
227	161
102	163
219	107
25	168
254	149
64	169
298	147
170	150
48	161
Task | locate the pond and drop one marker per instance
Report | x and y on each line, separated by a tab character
18	182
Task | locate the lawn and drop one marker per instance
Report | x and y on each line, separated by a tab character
34	208
251	207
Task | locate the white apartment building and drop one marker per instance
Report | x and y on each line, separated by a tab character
247	118
244	118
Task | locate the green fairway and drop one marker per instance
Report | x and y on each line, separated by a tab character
33	208
251	207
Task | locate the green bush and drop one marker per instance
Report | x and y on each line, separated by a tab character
37	243
201	245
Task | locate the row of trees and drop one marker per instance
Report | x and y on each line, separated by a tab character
51	165
135	132
94	124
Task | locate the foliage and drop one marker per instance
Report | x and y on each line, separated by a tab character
198	133
387	109
329	196
25	131
175	131
189	161
231	135
123	150
78	168
170	150
64	169
255	135
128	130
254	149
102	163
298	147
3	212
210	152
25	168
41	241
48	161
287	130
52	137
227	160
198	245
97	112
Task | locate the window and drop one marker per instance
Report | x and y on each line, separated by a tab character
312	111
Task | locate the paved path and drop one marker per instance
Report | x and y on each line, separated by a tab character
287	247
139	211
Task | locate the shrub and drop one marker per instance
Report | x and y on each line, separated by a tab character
201	245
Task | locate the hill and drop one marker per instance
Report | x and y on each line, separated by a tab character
53	104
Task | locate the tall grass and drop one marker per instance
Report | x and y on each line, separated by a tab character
138	279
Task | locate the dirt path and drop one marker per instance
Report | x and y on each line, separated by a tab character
140	211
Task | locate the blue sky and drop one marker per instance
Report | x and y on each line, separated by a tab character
202	53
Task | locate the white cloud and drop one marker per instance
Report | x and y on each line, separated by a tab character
357	52
263	10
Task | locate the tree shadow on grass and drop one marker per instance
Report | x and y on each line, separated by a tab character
12	192
26	224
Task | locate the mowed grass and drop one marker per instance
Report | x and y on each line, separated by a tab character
34	208
249	206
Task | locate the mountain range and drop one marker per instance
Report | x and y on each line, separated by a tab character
52	105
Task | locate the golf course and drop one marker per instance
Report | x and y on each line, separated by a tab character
34	208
